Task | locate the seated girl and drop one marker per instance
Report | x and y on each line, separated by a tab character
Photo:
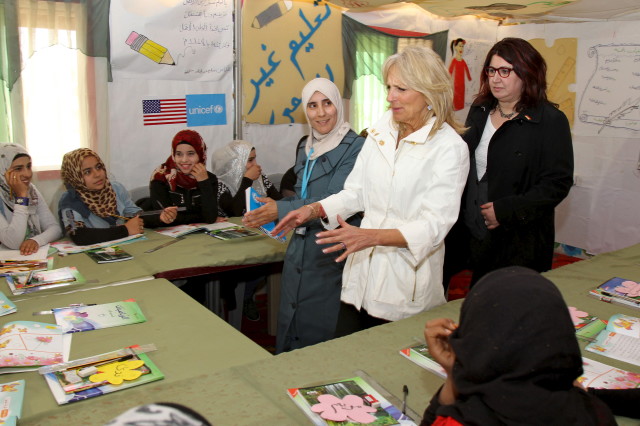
183	181
237	169
26	223
94	209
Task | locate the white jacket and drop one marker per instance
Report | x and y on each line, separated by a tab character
415	189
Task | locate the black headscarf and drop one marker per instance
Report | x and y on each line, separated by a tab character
517	356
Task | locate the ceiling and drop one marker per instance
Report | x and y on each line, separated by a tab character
516	10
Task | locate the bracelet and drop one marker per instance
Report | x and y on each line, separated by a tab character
23	201
314	212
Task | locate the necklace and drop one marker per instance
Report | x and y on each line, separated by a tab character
503	115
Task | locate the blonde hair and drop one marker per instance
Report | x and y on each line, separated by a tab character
422	70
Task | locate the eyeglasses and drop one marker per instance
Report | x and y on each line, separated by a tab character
502	71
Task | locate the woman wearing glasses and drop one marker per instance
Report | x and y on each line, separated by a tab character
521	162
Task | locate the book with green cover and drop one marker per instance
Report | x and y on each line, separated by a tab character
28	282
84	318
96	377
109	254
354	400
421	356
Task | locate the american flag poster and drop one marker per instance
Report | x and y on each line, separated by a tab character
164	111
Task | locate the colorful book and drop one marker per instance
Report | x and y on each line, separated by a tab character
68	247
28	344
232	233
6	306
603	376
347	402
619	291
28	282
109	254
421	356
99	375
11	398
252	204
11	261
619	340
84	318
180	230
587	326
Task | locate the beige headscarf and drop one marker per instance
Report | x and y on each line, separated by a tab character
324	143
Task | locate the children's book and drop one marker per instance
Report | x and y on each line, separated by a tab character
6	306
25	345
11	398
347	402
252	204
84	318
11	261
619	340
232	232
68	247
587	326
421	356
619	291
98	375
109	254
180	230
603	376
28	282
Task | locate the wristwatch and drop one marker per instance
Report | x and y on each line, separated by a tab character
23	201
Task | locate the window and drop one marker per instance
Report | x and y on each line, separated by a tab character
55	75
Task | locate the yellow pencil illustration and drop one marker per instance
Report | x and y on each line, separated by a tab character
149	48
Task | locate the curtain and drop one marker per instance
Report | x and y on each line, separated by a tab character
364	52
30	27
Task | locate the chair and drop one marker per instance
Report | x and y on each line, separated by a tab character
140	196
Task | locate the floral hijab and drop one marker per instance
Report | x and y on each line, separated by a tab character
102	202
169	172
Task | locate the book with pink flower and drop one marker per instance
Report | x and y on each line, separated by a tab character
347	402
620	291
27	345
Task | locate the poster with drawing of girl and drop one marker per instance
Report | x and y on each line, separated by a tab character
458	69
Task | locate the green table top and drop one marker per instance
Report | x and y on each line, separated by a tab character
196	254
190	340
255	392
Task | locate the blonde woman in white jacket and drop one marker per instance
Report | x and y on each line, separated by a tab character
408	180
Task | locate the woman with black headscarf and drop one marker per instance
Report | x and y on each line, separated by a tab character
512	360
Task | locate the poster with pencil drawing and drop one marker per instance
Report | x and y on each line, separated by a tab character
172	39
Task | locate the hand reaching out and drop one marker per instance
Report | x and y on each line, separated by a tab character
265	214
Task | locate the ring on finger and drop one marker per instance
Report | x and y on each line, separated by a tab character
344	246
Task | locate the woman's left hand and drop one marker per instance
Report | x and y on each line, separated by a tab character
199	172
169	214
489	216
348	238
28	247
265	214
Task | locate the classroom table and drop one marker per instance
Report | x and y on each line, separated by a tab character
190	340
255	393
196	254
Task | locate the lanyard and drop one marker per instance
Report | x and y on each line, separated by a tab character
306	175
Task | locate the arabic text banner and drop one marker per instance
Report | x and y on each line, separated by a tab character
285	45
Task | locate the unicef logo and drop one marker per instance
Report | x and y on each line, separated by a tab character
218	109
